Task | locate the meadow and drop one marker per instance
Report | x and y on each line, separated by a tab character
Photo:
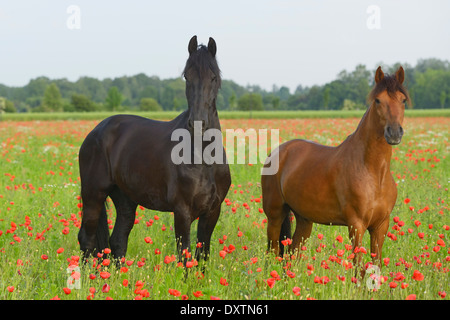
40	215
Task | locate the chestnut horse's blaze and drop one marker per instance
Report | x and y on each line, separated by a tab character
350	184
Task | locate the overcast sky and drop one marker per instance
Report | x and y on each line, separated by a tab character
260	42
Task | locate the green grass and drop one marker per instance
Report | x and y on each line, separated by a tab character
39	185
165	115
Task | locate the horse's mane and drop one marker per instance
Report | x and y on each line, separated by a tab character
390	84
202	60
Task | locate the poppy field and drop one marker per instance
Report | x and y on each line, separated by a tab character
40	215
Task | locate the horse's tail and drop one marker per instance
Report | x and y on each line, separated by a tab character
102	234
285	231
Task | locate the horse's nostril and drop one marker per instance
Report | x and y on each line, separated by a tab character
389	131
401	131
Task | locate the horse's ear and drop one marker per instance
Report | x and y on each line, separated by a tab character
212	48
193	45
400	75
379	75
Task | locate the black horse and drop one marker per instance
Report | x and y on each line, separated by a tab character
128	158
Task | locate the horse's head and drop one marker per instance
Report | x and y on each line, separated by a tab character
388	98
203	80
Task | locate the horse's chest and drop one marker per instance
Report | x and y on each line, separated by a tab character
200	190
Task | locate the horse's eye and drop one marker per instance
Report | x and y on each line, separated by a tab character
377	100
404	100
214	78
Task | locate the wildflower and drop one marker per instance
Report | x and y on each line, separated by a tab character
392	284
174	292
270	282
10	288
197	294
411	297
275	275
67	290
105	275
296	291
223	281
417	276
106	288
44	257
60	250
148	240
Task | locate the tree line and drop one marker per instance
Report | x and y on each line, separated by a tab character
428	83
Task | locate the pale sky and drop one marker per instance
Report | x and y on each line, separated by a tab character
259	42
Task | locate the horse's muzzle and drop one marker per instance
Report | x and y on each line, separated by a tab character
393	134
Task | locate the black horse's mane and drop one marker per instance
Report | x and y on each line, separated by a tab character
202	60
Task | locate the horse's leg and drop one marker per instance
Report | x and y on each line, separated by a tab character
94	218
377	236
276	217
302	232
183	222
95	186
356	232
126	212
205	228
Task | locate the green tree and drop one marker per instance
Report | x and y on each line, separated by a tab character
113	99
232	101
52	101
442	98
250	102
150	104
81	103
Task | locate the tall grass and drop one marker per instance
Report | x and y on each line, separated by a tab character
167	115
40	213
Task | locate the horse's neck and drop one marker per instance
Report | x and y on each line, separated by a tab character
370	141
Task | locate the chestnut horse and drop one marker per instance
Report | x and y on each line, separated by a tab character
129	159
350	184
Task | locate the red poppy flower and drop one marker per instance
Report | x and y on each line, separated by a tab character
270	282
223	281
106	288
105	274
174	292
417	275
